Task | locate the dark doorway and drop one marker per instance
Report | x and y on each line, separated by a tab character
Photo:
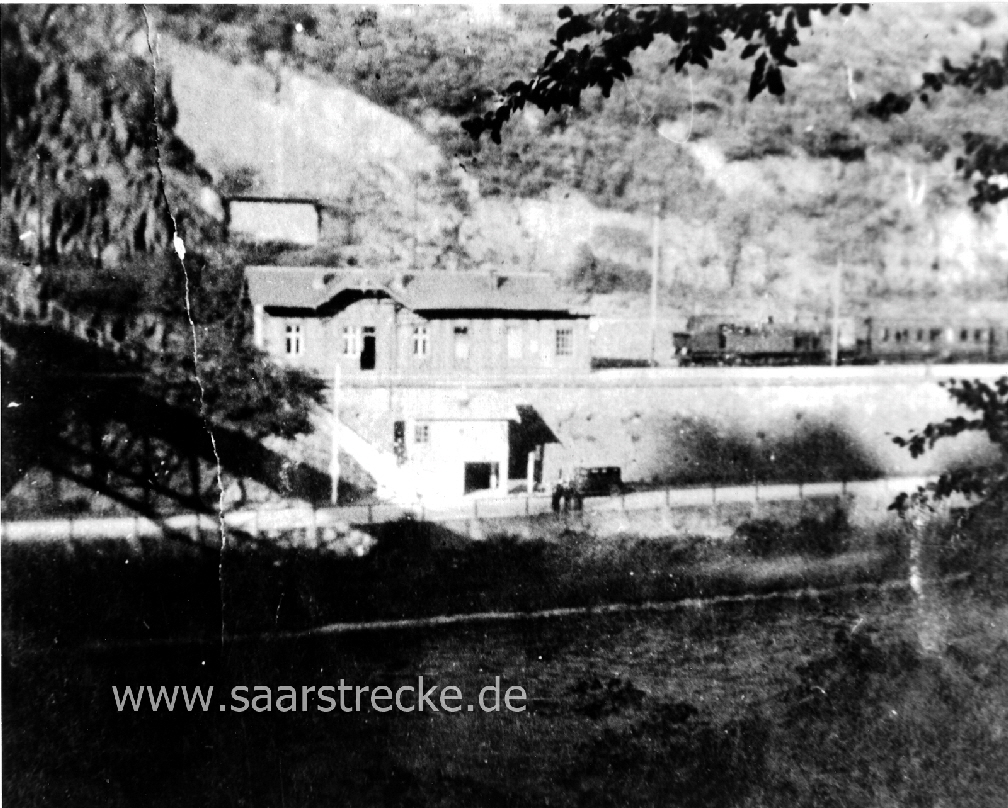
478	476
368	349
399	441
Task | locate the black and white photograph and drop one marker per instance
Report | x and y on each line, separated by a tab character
504	405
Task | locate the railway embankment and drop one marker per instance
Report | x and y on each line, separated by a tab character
737	426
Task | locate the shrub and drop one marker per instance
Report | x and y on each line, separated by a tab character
812	535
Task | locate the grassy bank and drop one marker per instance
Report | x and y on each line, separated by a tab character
115	590
824	702
818	701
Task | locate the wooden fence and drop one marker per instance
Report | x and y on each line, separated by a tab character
308	522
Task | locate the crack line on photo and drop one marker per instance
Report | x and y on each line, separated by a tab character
179	247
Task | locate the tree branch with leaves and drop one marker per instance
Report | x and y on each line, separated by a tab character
612	34
988	403
592	49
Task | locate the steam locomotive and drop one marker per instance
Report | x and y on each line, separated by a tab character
714	340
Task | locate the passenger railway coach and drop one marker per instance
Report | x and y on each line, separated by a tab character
933	340
713	340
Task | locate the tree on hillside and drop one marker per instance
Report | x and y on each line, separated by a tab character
617	32
610	35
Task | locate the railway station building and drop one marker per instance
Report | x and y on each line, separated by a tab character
423	325
431	363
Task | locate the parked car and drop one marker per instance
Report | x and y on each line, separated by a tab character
595	481
590	481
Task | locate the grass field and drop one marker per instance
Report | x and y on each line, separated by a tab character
813	701
771	704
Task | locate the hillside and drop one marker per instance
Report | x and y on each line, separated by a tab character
760	199
88	124
361	107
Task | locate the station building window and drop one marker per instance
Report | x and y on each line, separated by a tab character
514	342
421	433
294	344
421	341
351	340
565	342
461	344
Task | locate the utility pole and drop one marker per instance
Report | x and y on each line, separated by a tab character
416	216
654	280
334	468
835	338
41	241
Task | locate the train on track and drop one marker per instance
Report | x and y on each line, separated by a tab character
718	340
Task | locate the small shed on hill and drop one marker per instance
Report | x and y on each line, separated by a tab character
280	219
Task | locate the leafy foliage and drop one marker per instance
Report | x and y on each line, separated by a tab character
822	535
989	402
984	155
596	275
769	31
89	124
987	157
619	31
231	382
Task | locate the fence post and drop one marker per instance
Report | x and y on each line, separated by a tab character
668	496
526	504
369	513
313	527
801	495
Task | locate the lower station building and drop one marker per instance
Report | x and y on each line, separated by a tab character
431	363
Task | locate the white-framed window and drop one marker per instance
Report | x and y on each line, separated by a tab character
294	342
421	341
421	433
461	344
514	342
565	342
351	340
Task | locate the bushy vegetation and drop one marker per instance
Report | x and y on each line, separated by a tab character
814	535
825	701
599	276
438	66
89	125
